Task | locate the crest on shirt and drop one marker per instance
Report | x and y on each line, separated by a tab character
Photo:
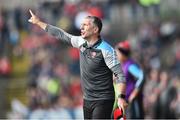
93	54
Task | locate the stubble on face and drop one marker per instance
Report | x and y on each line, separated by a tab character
87	28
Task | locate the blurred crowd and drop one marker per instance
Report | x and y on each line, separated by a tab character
53	81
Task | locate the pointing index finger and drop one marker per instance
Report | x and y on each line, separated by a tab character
31	13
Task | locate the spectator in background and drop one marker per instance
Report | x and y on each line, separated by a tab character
134	78
151	86
168	93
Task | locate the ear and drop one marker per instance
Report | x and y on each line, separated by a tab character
96	29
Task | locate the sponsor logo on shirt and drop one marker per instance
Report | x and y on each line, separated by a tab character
93	54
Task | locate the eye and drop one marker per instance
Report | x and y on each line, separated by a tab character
82	25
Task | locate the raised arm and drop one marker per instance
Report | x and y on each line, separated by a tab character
55	31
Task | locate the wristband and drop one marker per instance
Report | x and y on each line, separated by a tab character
122	96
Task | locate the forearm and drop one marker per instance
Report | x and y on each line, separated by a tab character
121	89
133	95
135	92
121	96
120	80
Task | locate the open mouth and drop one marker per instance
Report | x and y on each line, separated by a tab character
82	33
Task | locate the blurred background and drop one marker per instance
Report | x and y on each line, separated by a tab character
39	75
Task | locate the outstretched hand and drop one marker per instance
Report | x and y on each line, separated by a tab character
34	19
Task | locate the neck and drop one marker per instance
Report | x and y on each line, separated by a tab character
92	40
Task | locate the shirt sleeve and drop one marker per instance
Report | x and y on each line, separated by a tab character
60	34
77	41
137	73
112	62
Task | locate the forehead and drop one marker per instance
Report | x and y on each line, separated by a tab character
87	21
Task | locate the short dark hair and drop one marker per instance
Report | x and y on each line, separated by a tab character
125	52
97	21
